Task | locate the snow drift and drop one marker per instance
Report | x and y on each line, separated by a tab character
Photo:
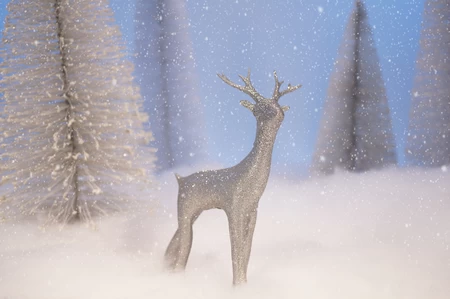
376	235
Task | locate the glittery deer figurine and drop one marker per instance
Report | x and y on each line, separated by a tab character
236	190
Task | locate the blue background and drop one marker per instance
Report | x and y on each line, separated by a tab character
299	39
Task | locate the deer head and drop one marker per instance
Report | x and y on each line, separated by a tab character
264	109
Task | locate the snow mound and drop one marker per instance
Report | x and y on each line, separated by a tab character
376	235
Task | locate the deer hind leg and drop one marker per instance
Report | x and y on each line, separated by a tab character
172	250
177	253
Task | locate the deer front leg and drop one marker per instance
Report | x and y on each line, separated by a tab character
250	223
237	234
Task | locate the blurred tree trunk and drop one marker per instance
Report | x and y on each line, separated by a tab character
165	68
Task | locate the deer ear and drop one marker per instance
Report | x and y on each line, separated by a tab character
247	105
285	108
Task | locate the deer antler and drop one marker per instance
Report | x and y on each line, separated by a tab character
248	88
276	92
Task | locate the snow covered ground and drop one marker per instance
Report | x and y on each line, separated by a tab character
377	235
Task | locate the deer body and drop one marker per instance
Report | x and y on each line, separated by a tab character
236	190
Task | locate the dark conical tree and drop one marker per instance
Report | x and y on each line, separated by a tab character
165	70
71	129
356	131
428	142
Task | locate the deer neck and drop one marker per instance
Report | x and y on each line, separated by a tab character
256	165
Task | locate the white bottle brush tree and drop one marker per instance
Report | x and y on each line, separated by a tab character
356	128
70	126
428	142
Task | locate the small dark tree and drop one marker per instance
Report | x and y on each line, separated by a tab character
71	126
356	131
165	70
428	142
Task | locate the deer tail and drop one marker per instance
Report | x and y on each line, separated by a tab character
178	177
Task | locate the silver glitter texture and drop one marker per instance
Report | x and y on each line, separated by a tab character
236	190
